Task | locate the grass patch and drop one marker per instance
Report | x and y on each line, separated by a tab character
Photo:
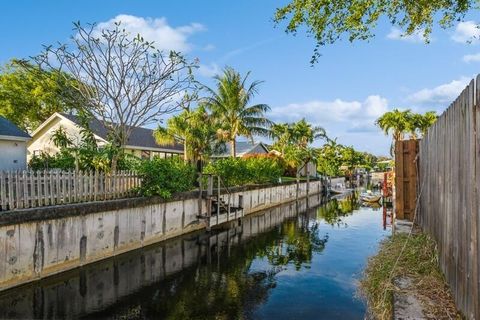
418	261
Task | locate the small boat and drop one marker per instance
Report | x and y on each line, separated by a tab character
370	197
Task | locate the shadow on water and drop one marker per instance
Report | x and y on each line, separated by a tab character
202	275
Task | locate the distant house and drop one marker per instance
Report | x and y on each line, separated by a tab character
13	146
141	142
243	148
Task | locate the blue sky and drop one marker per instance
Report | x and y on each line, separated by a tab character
344	92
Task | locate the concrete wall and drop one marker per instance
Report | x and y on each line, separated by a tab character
13	155
35	243
82	292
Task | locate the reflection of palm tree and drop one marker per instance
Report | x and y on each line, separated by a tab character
334	210
297	245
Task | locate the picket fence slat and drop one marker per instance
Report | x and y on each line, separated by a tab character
29	189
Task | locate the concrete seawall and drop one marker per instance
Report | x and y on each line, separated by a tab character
102	285
36	243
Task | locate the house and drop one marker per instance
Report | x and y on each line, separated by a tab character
242	148
13	146
141	142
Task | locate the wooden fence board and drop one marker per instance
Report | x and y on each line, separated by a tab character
448	195
405	178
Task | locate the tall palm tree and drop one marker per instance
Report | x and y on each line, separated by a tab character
230	104
397	122
194	129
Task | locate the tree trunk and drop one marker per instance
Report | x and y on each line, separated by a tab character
233	147
114	162
185	157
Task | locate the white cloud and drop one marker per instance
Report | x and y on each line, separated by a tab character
466	31
471	58
338	110
164	36
416	37
209	70
351	121
442	94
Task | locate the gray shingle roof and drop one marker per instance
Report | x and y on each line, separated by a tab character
140	137
243	147
8	128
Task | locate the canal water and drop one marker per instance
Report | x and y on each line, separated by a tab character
289	262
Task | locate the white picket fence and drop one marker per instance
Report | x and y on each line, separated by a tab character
29	189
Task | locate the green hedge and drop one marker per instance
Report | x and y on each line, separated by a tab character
163	177
242	171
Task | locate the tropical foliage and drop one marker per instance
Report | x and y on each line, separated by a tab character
293	141
251	170
329	21
399	123
195	129
163	177
84	154
29	95
231	106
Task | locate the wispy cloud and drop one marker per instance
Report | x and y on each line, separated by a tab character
208	70
442	94
471	57
241	50
164	36
416	37
466	31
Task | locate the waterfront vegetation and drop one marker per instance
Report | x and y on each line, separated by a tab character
205	120
250	170
163	177
414	256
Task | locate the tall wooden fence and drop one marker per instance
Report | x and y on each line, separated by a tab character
448	195
405	178
29	189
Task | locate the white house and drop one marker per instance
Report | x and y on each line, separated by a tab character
141	142
13	146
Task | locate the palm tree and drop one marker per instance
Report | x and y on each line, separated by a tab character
230	104
300	133
426	121
305	133
194	129
396	121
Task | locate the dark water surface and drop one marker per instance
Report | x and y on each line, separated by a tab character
289	262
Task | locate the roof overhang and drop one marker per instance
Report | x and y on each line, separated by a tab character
153	149
58	115
15	138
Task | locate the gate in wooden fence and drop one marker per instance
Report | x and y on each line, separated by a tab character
449	182
29	189
405	178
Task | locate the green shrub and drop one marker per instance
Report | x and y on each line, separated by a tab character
242	171
61	160
88	159
163	177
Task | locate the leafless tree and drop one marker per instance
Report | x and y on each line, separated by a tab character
125	81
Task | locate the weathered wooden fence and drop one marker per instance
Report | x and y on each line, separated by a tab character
405	178
29	189
448	191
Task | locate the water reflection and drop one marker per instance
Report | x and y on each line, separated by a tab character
236	272
334	210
